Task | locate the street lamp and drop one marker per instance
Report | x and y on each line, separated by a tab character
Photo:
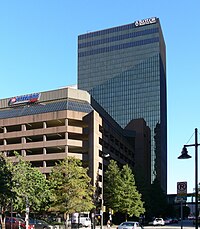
184	155
104	155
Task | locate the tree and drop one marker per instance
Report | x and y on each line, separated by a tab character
5	181
71	187
158	200
130	198
112	182
121	192
29	186
5	186
22	185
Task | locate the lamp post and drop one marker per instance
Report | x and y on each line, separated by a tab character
185	155
27	213
104	155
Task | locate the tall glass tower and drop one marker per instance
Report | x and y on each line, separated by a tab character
124	69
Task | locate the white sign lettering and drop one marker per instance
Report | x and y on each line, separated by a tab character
145	21
31	98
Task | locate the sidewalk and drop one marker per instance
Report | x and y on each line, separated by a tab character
96	227
104	227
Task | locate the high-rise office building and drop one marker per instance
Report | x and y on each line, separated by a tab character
124	69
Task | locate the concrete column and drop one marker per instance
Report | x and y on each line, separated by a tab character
44	138
5	129
23	140
44	151
66	150
44	125
44	162
66	133
23	127
23	153
66	137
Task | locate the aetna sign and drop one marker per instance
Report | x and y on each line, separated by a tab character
147	21
23	99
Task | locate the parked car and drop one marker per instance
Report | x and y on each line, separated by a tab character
14	223
130	225
191	217
158	222
38	224
174	220
198	221
81	219
168	220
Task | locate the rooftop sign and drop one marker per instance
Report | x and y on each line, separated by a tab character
147	21
31	98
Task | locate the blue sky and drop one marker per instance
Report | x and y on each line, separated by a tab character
38	52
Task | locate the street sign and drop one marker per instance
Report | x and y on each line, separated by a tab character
179	200
182	190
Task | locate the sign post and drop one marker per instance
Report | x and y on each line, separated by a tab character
181	196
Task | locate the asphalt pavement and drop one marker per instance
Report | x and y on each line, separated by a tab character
186	224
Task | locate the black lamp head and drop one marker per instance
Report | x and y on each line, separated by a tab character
184	154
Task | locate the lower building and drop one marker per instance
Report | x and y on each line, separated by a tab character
142	166
49	126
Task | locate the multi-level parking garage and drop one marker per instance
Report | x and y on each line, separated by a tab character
49	126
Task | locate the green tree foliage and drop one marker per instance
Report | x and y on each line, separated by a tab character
112	181
130	198
158	200
71	187
29	186
121	192
5	182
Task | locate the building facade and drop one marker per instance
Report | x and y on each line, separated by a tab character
124	69
47	127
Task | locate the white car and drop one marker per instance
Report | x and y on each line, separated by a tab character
158	222
130	225
81	219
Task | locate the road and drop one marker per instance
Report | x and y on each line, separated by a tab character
186	224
